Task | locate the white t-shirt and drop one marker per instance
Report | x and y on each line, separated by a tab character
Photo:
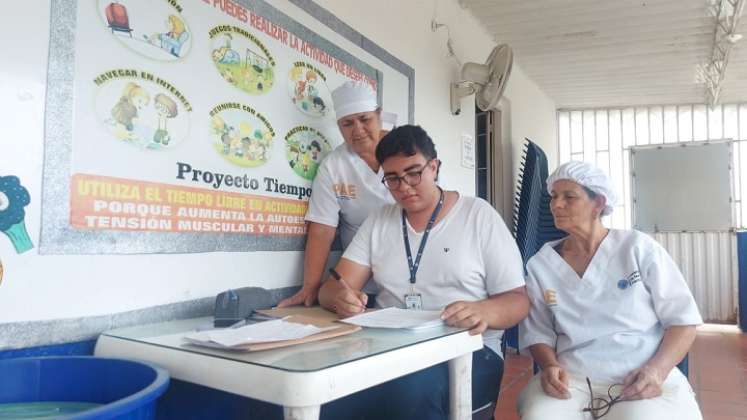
345	191
610	321
470	255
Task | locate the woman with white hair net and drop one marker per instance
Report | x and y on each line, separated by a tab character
611	315
347	187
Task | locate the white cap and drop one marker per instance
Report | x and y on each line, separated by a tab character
353	97
589	176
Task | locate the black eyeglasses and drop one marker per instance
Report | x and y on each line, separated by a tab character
411	178
600	406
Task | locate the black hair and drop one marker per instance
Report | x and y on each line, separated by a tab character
406	140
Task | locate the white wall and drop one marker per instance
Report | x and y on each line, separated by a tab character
404	29
532	116
51	287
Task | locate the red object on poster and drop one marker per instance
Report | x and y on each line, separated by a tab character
116	16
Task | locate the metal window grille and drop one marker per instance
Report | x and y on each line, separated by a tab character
604	137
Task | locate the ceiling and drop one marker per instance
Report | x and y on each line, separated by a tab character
610	53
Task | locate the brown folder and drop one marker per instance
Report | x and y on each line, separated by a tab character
315	312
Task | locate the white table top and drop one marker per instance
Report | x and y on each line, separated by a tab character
302	375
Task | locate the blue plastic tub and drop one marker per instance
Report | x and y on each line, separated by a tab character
120	389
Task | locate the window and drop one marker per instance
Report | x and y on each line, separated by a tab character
604	137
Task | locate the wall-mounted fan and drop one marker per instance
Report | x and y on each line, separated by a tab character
486	81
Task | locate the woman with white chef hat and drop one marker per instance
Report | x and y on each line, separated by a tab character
347	187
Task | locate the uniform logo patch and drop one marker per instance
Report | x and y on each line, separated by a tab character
629	281
345	191
551	297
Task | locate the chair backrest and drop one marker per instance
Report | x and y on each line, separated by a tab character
533	222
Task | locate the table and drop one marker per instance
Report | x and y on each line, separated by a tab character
301	378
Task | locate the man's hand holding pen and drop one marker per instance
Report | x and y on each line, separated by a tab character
348	302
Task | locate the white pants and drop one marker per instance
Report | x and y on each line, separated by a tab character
677	402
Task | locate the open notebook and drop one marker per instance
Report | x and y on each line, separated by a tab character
397	318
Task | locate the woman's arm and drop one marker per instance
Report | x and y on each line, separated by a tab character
676	310
544	355
553	377
318	244
645	382
673	348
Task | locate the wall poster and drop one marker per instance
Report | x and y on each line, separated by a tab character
196	125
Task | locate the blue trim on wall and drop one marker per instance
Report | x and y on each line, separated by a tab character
742	259
80	348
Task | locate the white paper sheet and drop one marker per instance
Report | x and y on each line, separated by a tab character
397	318
261	332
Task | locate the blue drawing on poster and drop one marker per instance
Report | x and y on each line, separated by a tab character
13	198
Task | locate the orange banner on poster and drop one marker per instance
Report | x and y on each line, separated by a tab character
99	202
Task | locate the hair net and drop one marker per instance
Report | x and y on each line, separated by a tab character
352	98
589	176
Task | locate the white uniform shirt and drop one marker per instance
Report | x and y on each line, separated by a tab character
610	321
470	255
345	191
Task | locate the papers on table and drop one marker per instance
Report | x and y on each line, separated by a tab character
261	332
397	318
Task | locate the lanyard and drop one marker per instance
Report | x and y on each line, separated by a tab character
414	266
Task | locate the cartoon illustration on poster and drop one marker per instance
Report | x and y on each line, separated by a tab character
141	109
305	148
307	87
242	59
13	198
155	29
241	135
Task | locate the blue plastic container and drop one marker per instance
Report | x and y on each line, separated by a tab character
126	389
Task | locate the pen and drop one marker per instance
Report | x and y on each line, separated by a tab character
339	278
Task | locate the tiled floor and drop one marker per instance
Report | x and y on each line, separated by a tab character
718	373
516	373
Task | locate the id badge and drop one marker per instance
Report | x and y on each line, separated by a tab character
414	301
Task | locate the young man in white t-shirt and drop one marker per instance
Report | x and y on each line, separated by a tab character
469	267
